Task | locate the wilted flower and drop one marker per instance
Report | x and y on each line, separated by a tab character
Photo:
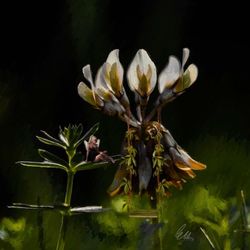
153	160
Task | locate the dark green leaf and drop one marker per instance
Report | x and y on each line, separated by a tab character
58	207
44	164
50	142
50	137
93	165
51	157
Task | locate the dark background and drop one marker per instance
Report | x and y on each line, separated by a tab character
45	44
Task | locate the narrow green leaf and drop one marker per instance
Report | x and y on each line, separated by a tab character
88	209
51	157
55	207
91	131
93	165
50	137
44	164
90	165
50	142
30	206
64	139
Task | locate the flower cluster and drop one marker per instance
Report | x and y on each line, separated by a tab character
151	155
108	94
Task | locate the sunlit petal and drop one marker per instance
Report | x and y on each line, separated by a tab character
113	56
190	75
188	78
185	56
113	72
100	82
193	164
142	74
86	70
86	93
170	74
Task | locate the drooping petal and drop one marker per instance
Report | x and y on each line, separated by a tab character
183	161
193	164
170	74
142	74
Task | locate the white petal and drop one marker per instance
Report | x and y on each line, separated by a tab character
86	144
88	95
85	92
143	60
113	57
191	74
99	80
170	74
88	75
98	143
185	56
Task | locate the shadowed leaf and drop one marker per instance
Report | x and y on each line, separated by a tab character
50	142
44	164
93	165
52	158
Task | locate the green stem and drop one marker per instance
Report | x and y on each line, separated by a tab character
70	181
65	217
63	228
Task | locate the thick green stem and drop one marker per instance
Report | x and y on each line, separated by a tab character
70	180
65	217
63	228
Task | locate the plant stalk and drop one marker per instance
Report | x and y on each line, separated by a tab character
65	216
63	228
70	181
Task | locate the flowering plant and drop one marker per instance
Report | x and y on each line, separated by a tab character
152	159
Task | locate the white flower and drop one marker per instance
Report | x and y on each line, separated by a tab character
110	76
99	96
111	73
87	94
142	74
173	75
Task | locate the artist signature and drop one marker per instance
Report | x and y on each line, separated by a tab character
183	234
